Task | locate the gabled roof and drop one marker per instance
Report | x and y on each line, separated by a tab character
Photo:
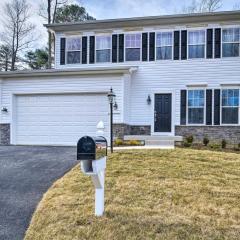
178	19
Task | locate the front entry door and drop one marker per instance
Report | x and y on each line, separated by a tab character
163	112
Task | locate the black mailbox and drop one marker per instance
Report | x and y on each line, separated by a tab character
91	148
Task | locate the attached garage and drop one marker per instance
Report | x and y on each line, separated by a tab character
58	119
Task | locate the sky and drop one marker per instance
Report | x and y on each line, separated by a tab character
108	9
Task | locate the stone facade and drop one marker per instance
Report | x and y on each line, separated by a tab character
5	134
214	133
119	130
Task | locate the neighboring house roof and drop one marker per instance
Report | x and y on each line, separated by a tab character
178	19
69	72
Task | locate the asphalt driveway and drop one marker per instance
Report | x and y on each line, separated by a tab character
26	172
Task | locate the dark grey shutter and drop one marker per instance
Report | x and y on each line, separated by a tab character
62	50
209	43
183	109
152	46
217	107
114	48
184	44
92	50
217	42
208	107
144	46
176	45
121	47
84	50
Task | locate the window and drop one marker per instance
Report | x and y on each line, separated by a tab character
133	47
74	47
103	49
196	106
196	44
230	106
164	43
231	42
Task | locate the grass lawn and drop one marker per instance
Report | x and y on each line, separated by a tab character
150	194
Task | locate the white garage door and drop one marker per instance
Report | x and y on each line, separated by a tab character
58	119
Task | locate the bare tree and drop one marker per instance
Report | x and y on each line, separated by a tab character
18	31
236	6
198	6
5	58
48	12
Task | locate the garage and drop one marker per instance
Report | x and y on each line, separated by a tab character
58	119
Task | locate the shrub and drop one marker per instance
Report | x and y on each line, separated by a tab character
189	139
239	145
186	144
134	142
224	143
205	141
118	142
215	145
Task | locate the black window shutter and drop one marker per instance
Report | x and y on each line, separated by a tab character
183	107
62	50
176	45
208	107
209	43
84	50
184	44
217	42
217	107
145	46
121	47
92	50
114	48
152	46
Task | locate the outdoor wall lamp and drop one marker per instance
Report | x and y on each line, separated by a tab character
4	109
115	106
149	100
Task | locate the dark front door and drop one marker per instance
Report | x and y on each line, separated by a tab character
163	112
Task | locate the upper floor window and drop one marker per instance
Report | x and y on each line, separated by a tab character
230	106
103	49
133	47
196	44
196	106
74	47
231	42
164	43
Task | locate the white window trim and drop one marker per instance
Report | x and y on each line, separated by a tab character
66	51
229	27
221	106
205	44
125	48
204	109
103	35
164	31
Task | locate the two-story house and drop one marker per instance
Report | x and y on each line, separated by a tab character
173	75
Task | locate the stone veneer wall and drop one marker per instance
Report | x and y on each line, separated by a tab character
214	133
5	134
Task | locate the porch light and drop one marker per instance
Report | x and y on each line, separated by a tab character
149	100
4	109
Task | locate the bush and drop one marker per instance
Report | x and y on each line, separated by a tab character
224	143
118	142
205	141
215	145
189	139
134	142
239	145
186	144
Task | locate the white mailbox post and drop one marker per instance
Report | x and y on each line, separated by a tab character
92	152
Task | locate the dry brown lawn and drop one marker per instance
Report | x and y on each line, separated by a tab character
150	194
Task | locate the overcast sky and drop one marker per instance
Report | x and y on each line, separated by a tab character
103	9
